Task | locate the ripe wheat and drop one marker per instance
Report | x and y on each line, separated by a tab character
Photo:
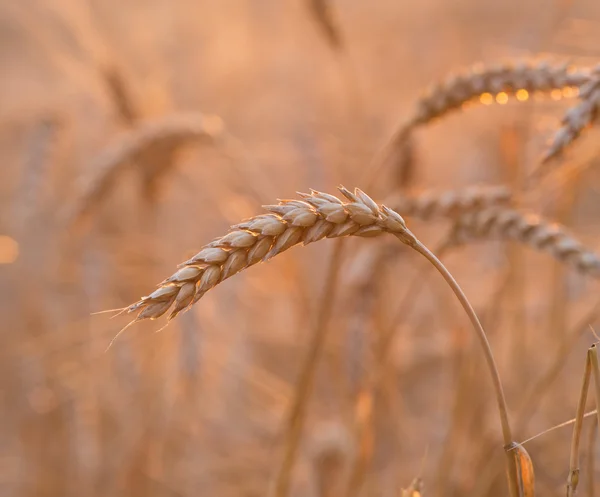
520	79
317	216
529	229
578	117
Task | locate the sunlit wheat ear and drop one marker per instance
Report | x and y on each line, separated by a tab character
529	229
577	118
494	84
449	204
258	239
171	131
488	85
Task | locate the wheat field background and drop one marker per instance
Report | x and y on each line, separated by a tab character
133	133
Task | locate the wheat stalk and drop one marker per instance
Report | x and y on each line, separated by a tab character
451	203
577	118
169	132
528	229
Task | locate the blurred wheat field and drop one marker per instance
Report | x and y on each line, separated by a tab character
134	133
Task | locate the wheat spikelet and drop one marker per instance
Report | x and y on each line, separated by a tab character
529	229
317	216
451	203
578	117
167	132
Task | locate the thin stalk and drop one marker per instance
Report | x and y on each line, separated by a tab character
487	349
593	354
573	478
489	357
375	379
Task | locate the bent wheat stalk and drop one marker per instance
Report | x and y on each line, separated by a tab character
317	216
457	90
530	229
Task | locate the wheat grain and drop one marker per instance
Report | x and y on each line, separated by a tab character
317	216
449	204
578	117
530	229
169	132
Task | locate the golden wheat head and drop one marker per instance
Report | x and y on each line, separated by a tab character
317	216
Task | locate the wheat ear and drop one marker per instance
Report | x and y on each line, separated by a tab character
455	91
577	118
171	131
317	216
486	84
451	203
529	229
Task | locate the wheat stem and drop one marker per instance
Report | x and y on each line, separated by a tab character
573	478
487	350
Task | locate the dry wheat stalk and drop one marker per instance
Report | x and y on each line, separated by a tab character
168	132
450	203
317	216
578	117
529	229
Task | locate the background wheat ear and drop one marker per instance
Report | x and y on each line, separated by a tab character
159	136
529	229
486	85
